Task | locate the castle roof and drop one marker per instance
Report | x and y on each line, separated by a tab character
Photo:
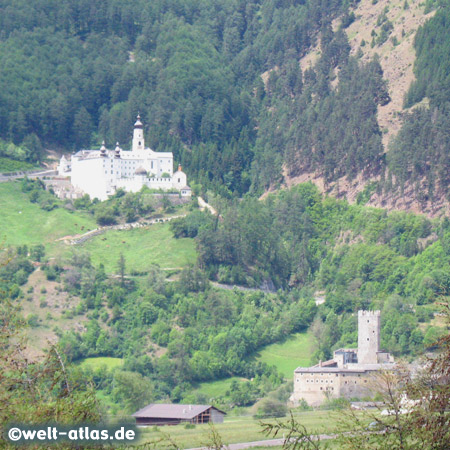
350	368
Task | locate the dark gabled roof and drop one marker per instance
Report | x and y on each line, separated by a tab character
172	411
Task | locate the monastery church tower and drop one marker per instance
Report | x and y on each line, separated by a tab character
138	136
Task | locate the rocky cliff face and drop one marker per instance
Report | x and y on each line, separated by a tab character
385	29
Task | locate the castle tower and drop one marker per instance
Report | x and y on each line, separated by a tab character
368	336
138	135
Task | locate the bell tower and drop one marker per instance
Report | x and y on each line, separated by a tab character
138	135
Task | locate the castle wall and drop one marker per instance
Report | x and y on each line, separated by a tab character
354	385
315	387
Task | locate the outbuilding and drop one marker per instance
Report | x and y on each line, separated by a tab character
173	414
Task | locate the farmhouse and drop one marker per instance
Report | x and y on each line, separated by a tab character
350	372
99	173
171	414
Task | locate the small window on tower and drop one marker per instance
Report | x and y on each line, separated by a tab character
367	338
139	142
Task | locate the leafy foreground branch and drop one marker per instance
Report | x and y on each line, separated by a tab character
295	435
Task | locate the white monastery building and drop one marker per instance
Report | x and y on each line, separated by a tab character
350	373
99	173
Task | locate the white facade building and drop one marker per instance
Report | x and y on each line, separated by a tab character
99	173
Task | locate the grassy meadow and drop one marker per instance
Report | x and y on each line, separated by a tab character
285	356
238	429
23	222
217	388
141	247
101	361
290	354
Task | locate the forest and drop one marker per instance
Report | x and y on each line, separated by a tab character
218	83
194	70
174	335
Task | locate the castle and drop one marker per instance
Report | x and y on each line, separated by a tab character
350	371
99	173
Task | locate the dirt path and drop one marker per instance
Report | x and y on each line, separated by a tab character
203	205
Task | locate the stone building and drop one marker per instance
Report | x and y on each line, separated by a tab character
99	173
350	371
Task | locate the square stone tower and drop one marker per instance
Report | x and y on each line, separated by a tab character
368	336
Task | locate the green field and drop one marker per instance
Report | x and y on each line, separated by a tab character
23	222
141	247
12	165
101	361
238	429
287	356
214	389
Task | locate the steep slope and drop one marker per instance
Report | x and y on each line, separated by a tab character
384	30
396	53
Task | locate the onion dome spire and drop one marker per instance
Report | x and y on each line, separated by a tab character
103	149
138	123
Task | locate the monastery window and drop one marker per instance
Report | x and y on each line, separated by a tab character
321	388
331	381
317	381
326	381
367	338
345	382
365	381
321	381
355	381
112	171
